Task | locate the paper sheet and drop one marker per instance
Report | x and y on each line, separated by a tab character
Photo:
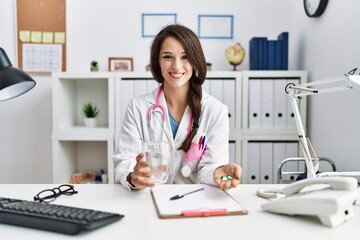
209	198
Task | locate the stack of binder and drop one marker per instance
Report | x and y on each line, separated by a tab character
269	54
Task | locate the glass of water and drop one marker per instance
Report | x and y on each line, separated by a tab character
157	154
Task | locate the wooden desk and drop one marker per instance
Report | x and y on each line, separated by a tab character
141	220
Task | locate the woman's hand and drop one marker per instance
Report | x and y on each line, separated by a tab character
140	177
232	170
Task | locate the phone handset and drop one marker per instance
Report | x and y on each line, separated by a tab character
336	183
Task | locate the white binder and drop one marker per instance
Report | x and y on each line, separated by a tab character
232	152
266	162
291	151
230	100
139	87
290	118
278	157
216	88
280	103
127	93
206	86
254	103
151	84
253	173
267	103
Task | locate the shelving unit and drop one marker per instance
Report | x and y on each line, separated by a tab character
77	148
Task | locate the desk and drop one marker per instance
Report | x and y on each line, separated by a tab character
141	220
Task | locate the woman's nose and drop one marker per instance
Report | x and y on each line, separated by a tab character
176	64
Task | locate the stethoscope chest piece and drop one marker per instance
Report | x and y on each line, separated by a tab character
186	170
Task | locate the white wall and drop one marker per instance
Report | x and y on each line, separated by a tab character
329	46
111	28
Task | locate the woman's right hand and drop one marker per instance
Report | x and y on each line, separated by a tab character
140	177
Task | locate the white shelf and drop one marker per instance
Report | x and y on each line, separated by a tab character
77	148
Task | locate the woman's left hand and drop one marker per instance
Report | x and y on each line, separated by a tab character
232	170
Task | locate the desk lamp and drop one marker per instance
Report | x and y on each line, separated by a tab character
348	81
13	82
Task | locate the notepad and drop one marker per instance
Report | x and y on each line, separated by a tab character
212	201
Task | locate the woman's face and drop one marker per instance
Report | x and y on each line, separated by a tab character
174	64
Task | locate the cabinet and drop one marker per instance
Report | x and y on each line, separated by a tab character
262	129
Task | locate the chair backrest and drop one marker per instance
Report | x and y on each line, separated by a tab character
295	175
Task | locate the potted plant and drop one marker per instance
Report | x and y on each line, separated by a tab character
90	111
94	67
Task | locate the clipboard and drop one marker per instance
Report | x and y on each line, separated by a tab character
212	201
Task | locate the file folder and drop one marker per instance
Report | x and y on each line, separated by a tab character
253	173
229	99
267	103
266	162
212	201
280	103
254	103
290	117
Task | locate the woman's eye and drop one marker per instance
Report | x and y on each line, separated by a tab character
184	57
167	57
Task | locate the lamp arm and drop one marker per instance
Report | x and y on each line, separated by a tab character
307	149
347	81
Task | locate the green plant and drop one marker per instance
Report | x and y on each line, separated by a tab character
90	110
94	63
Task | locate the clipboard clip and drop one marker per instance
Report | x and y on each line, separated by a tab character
204	212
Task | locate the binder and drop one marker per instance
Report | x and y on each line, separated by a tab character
284	39
253	173
263	53
139	87
267	110
229	100
212	201
216	89
127	93
151	84
266	162
232	151
254	53
290	117
278	54
206	86
280	103
254	103
271	55
278	156
291	151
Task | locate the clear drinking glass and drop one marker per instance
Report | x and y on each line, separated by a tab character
157	154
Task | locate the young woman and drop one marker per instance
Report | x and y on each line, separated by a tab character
194	123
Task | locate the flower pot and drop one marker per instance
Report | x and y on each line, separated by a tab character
94	69
90	122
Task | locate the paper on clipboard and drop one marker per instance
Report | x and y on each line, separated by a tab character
212	201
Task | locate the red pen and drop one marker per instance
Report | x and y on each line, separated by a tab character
200	142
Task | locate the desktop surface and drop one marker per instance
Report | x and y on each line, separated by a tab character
141	220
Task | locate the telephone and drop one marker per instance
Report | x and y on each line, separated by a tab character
331	199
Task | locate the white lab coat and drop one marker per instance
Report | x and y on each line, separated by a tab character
214	123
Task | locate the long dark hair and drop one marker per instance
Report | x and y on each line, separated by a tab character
195	55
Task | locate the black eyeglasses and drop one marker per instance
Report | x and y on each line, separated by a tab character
49	195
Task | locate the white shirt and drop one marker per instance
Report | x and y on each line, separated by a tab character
136	128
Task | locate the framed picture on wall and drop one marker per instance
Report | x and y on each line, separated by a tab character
120	64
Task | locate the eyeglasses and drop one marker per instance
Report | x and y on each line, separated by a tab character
49	195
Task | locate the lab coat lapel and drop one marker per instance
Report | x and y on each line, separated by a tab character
183	127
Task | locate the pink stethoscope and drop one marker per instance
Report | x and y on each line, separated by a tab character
186	169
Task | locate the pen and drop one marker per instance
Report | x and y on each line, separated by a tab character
180	196
203	142
200	142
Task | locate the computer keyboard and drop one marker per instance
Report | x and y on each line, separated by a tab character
52	217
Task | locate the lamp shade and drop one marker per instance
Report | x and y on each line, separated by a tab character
13	82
